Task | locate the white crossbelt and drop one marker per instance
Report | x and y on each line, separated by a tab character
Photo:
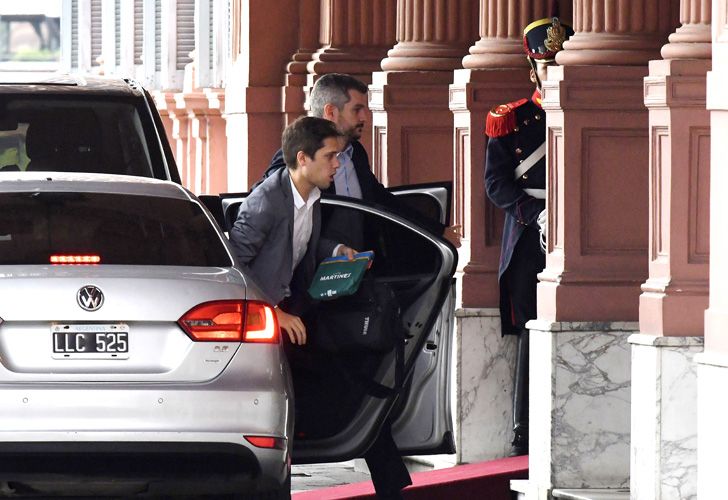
529	162
536	193
526	165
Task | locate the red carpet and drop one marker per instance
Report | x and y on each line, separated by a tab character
482	480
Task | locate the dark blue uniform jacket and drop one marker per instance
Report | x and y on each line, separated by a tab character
521	131
503	156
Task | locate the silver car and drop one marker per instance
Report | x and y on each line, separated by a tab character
146	395
134	357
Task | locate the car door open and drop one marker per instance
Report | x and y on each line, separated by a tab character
422	418
342	397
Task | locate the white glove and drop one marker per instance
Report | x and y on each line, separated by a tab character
541	221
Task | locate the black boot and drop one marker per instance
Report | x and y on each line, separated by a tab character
519	446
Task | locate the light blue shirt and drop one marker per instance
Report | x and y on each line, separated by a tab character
346	183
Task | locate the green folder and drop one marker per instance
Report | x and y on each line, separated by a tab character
339	276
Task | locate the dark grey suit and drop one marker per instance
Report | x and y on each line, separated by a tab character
262	238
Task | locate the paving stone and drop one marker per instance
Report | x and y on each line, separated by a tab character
316	476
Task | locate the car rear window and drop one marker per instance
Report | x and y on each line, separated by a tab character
107	134
119	229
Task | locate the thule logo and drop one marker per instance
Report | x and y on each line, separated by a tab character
366	326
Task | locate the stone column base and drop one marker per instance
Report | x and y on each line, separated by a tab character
579	397
712	437
664	417
485	361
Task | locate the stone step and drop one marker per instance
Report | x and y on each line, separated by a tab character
524	491
520	488
591	494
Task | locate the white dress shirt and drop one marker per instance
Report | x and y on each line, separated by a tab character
346	183
302	222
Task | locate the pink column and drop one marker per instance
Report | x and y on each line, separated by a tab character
713	363
165	105
501	31
296	72
598	146
175	124
675	296
716	317
206	170
580	387
354	37
432	35
193	106
412	136
253	100
216	156
623	33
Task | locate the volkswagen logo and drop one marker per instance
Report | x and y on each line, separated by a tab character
90	298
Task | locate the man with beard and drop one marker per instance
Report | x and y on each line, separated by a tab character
342	99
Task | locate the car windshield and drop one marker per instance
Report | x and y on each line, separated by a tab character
115	228
77	134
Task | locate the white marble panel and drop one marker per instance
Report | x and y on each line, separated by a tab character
485	361
664	417
712	434
540	402
580	404
645	445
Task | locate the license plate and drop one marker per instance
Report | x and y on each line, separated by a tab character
101	341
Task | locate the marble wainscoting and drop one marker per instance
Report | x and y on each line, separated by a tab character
664	460
485	360
712	433
580	406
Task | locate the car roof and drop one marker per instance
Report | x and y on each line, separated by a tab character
74	182
63	83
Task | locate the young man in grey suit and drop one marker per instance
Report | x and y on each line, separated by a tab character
342	100
276	236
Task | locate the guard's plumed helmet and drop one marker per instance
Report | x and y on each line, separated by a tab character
542	39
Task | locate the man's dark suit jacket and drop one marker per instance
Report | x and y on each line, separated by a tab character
371	189
262	240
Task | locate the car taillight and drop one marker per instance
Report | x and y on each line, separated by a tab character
231	321
75	259
261	323
266	442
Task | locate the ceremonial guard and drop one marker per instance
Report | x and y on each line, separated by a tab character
515	181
